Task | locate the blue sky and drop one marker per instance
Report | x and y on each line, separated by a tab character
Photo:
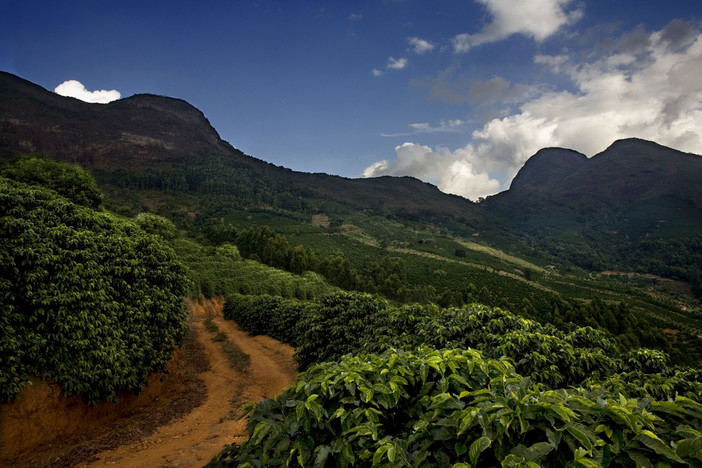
456	93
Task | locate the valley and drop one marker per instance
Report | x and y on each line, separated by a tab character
350	322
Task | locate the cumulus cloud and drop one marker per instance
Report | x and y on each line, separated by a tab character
420	46
451	171
397	64
75	89
646	87
654	94
537	19
377	72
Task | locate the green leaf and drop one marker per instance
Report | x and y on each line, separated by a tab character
260	432
689	446
322	455
653	442
582	434
606	429
565	414
300	411
460	448
511	461
538	450
391	454
423	372
477	447
467	420
640	459
347	452
378	456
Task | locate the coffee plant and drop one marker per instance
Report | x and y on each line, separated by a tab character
89	301
455	408
344	322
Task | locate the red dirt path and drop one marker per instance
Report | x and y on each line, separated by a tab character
183	421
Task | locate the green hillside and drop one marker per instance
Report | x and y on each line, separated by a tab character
555	324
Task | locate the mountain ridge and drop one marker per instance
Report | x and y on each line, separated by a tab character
148	132
167	137
34	120
630	168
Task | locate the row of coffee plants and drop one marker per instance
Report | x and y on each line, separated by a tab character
89	301
345	322
220	271
455	408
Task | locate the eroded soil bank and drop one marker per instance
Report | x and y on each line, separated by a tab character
182	418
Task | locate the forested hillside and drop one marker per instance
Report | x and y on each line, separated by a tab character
555	324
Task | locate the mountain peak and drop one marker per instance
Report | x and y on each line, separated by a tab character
130	132
546	165
633	146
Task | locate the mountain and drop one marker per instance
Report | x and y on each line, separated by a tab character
546	168
157	153
630	169
634	185
128	133
172	140
637	206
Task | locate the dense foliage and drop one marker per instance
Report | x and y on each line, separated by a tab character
396	279
220	271
344	323
67	180
88	301
214	175
452	407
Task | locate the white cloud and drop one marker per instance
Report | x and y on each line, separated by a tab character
452	172
420	46
537	19
377	72
555	62
378	167
75	89
397	64
653	93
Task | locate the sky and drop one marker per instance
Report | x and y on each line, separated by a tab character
456	93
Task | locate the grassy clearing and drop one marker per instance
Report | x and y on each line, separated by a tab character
239	360
502	256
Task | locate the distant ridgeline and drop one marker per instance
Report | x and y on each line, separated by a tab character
635	207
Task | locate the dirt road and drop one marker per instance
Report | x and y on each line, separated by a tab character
196	438
192	439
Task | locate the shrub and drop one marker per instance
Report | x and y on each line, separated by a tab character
88	301
452	407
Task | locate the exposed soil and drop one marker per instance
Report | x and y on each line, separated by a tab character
183	419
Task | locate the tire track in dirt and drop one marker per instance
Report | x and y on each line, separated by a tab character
195	438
